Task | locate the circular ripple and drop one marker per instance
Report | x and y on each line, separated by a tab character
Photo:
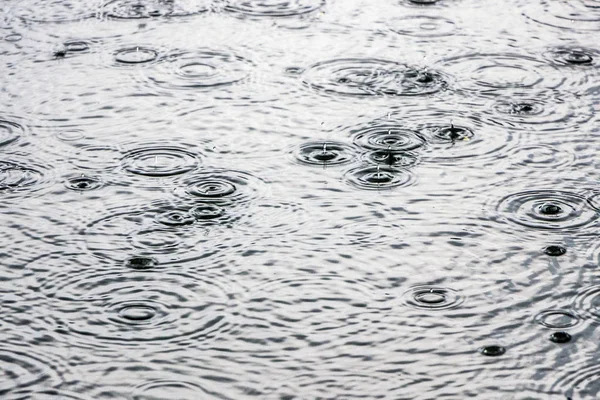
422	26
176	218
378	177
220	186
13	37
490	73
387	136
373	77
432	298
200	69
56	10
541	156
9	132
162	389
132	309
274	8
83	183
207	212
581	382
324	153
547	111
160	161
135	55
574	56
587	303
76	46
557	319
547	209
574	15
15	177
138	9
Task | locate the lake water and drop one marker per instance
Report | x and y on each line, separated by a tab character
299	199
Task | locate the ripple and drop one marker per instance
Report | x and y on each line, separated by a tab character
587	303
131	309
432	298
83	183
545	111
159	161
373	77
16	177
136	9
547	209
378	177
391	158
581	382
207	212
135	55
13	37
160	231
274	8
387	136
324	153
573	56
487	74
200	69
9	132
573	15
56	11
221	186
541	156
24	369
557	319
422	26
181	389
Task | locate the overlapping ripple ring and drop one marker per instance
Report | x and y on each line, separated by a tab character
540	157
387	135
135	9
199	69
56	11
159	161
489	74
133	308
575	15
373	77
17	176
23	369
10	131
273	8
432	298
581	382
587	303
547	209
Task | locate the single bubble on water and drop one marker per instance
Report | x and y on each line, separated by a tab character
555	250
550	209
560	337
492	351
141	263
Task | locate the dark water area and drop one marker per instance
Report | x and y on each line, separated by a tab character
299	199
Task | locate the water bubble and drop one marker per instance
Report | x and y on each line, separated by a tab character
547	209
274	8
432	298
492	351
377	177
83	183
560	337
555	251
203	68
557	319
324	153
136	55
373	77
159	161
141	263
